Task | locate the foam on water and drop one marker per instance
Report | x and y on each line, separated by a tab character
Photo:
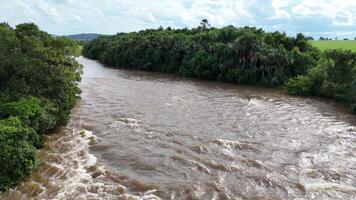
76	176
331	186
129	122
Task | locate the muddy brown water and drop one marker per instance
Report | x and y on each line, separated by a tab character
142	135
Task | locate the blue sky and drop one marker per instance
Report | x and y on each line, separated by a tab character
330	18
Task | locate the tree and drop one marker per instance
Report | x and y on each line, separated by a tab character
38	86
204	24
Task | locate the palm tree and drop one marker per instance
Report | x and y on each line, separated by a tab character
204	24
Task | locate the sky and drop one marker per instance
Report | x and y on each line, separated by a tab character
327	18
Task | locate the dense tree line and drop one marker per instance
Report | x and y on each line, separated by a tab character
244	55
38	87
334	76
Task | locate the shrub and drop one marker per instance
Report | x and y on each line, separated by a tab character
32	112
301	85
27	109
17	155
241	76
22	132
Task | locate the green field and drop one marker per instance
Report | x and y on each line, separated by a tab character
335	44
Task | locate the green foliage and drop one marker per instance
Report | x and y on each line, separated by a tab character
334	77
26	109
38	86
17	154
13	129
241	76
301	85
32	112
242	55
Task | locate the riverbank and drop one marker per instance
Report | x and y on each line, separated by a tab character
245	56
39	86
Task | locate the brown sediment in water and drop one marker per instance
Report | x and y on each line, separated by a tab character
141	135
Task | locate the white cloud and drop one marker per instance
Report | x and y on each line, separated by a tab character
279	7
341	12
46	8
111	16
26	8
128	15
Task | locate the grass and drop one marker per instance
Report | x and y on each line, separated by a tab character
335	44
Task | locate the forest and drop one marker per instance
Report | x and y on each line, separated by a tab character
245	55
38	86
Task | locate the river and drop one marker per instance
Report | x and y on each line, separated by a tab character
144	135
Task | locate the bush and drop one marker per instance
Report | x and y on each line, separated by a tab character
27	109
32	112
241	76
333	77
22	132
352	97
301	85
17	154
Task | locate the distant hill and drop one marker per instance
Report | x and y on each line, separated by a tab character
84	36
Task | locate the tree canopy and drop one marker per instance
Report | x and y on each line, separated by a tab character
38	87
243	55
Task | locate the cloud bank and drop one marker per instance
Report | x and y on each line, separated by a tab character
330	18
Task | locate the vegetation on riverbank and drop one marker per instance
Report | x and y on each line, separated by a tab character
334	76
38	87
240	55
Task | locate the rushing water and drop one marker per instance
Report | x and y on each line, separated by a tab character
141	135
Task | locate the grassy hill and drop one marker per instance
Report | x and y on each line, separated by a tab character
335	44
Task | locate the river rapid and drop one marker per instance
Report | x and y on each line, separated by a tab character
143	135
